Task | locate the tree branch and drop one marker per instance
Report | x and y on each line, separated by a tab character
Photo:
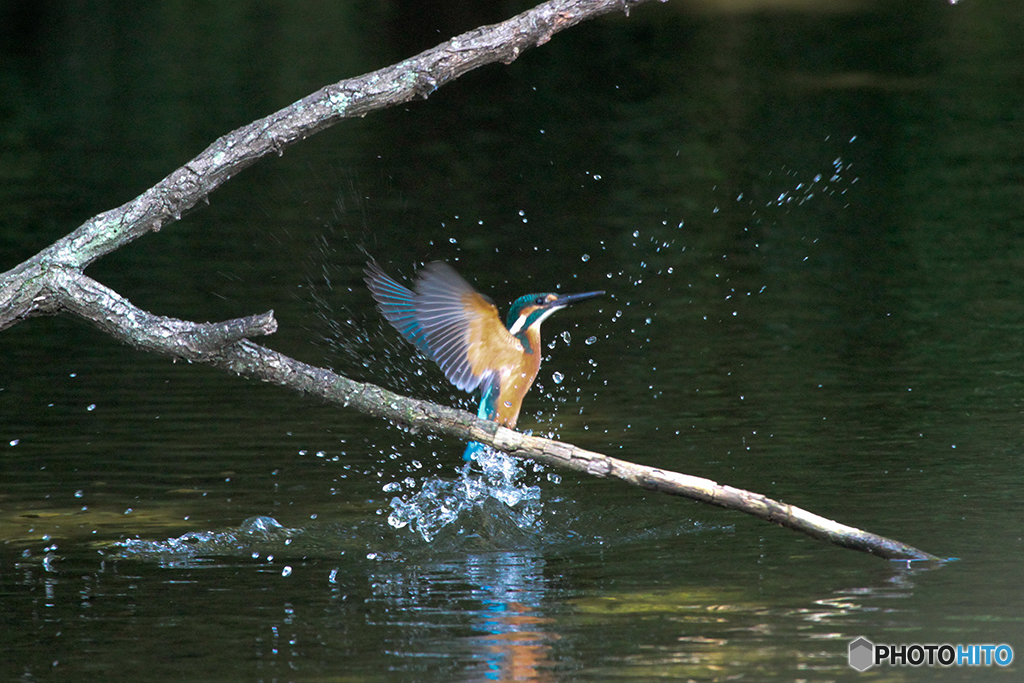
81	295
52	281
252	360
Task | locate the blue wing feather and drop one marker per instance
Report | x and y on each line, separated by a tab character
396	304
490	389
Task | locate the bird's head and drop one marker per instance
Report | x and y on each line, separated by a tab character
533	309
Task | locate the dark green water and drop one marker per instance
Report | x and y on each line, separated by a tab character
809	223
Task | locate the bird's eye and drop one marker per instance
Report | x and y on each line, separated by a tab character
541	300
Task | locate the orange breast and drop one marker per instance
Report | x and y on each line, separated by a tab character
516	382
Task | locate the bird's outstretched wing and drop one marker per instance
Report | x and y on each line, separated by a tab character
451	323
464	334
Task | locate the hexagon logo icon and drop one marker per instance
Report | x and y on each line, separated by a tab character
862	654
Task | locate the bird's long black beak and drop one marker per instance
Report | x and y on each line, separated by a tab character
569	299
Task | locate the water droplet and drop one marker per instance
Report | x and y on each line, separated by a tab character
15	442
566	337
557	377
590	340
585	258
286	572
91	407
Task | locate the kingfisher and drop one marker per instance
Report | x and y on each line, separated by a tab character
459	328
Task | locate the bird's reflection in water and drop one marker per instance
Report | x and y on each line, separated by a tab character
516	640
499	594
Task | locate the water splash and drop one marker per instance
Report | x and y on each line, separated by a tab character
265	533
492	478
